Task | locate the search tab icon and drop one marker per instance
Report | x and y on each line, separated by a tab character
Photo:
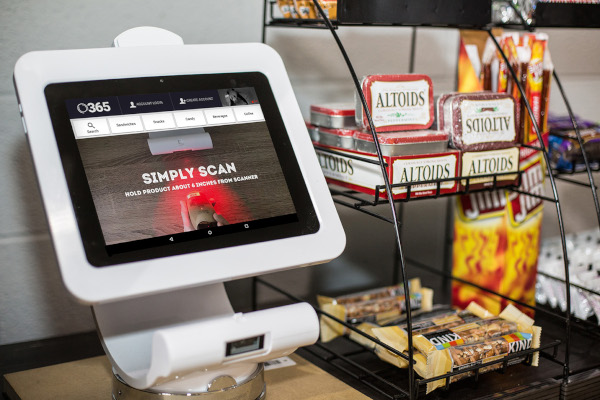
85	128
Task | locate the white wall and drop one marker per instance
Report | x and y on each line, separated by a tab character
33	302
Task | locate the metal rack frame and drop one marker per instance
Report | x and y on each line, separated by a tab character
360	204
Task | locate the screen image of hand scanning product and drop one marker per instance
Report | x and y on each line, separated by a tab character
166	169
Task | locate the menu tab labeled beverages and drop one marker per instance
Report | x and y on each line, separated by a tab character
145	103
199	99
217	116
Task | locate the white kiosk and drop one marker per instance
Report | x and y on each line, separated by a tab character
148	236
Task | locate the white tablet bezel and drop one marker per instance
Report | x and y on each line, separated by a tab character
34	71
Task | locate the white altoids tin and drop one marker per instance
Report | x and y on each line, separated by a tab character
396	102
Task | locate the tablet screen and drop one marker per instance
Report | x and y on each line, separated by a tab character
168	165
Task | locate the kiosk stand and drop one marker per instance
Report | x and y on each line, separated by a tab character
154	280
152	341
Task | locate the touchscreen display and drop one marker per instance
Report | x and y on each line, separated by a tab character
165	168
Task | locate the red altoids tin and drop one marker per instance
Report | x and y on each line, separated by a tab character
402	143
340	138
478	121
313	131
433	162
396	102
333	115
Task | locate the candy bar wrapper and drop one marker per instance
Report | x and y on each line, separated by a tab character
396	102
305	9
376	310
329	8
565	152
535	83
378	293
480	121
285	6
366	327
453	359
397	336
548	66
510	320
420	365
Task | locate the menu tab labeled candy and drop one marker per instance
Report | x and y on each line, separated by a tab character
185	119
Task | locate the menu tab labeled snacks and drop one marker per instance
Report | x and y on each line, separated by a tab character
333	115
158	122
396	102
479	121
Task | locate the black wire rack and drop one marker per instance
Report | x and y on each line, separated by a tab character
411	386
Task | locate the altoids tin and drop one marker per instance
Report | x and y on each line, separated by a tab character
333	115
313	131
402	143
341	138
396	102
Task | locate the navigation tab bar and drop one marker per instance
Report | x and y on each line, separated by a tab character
164	121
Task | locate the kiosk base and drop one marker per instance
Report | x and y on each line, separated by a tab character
221	388
91	379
